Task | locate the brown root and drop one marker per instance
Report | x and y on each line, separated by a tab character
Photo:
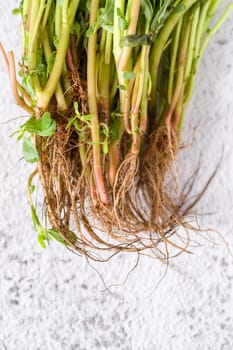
143	214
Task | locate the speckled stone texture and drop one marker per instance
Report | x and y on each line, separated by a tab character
54	300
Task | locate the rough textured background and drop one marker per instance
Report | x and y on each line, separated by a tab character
51	299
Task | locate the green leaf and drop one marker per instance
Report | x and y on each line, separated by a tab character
15	133
55	40
52	233
76	108
122	22
40	68
76	28
27	84
33	104
20	136
71	122
44	126
108	28
30	152
48	125
32	188
105	148
105	16
136	40
92	29
41	240
16	11
129	75
86	117
84	5
161	13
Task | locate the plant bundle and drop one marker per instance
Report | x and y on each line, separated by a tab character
106	84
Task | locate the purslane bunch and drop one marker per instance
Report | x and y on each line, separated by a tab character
106	85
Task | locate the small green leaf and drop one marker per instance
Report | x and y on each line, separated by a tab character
31	125
76	28
55	40
129	75
41	240
48	125
76	108
16	11
20	136
122	22
136	40
105	148
32	188
86	117
52	233
92	29
71	122
44	126
15	133
27	84
40	68
30	152
33	104
108	28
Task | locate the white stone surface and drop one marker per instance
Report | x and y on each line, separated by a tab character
51	299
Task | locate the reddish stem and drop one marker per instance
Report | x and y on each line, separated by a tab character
13	81
69	60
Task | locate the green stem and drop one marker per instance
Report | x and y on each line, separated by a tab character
191	48
199	53
200	27
144	101
25	14
44	96
114	147
26	5
211	12
35	28
83	158
180	75
93	110
33	44
174	52
62	105
46	14
108	48
215	28
136	99
160	43
104	76
126	51
58	19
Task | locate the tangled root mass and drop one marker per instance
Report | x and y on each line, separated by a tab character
141	214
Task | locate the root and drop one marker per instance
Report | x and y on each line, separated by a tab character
142	215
